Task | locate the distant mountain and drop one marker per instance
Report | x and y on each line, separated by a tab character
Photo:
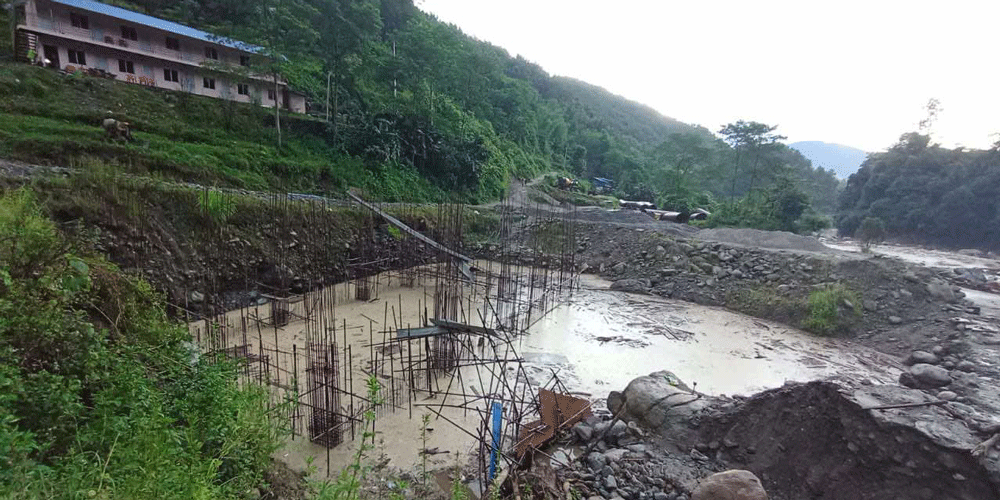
843	160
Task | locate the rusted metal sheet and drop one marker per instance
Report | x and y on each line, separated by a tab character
557	411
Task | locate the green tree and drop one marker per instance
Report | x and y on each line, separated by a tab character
871	232
750	142
284	29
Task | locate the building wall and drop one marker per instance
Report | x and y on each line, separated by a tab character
103	46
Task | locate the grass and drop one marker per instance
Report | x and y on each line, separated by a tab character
832	310
823	312
49	118
100	397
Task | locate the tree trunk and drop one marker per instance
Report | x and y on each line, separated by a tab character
277	109
336	106
736	171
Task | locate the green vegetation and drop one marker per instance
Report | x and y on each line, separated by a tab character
781	207
924	192
417	111
101	395
832	310
871	232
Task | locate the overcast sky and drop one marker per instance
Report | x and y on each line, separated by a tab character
852	72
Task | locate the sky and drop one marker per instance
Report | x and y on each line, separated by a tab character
857	73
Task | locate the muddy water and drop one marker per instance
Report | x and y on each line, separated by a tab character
597	341
921	256
600	340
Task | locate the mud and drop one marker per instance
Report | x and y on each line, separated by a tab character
817	440
599	340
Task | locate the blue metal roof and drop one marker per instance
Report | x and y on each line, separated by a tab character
155	22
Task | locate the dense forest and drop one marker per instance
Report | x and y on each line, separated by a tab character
410	92
926	193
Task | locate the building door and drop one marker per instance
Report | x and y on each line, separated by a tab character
187	82
51	52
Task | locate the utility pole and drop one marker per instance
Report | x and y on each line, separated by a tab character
328	74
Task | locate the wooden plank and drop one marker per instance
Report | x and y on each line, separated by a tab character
413	333
412	232
453	325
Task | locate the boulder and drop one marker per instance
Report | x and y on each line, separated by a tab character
941	291
659	400
730	485
925	376
895	320
966	366
921	357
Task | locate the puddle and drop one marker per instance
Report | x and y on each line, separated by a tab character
600	340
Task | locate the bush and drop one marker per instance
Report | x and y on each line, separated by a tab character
99	395
871	232
833	310
812	223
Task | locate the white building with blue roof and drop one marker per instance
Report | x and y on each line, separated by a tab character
136	48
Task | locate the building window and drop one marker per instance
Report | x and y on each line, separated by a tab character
270	94
77	57
79	21
173	44
242	89
244	60
211	53
170	75
125	66
208	83
129	33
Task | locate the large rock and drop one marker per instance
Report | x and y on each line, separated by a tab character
941	290
925	376
658	400
921	357
730	485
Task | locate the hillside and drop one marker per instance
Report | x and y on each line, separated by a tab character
843	160
418	111
400	77
928	194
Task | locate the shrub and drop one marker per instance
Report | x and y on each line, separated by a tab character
871	232
832	310
99	395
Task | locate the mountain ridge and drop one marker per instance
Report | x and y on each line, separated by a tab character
843	160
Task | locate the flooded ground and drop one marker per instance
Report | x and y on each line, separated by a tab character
597	341
921	256
600	340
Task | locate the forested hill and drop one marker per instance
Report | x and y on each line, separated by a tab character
418	111
401	77
927	193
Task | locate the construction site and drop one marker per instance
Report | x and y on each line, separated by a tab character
437	331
